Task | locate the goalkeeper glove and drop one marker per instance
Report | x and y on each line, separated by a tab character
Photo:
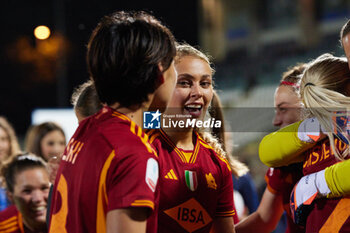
304	193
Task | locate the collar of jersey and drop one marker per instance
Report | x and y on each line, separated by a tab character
194	156
120	115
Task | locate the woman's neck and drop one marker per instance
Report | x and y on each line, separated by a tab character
39	228
135	114
181	138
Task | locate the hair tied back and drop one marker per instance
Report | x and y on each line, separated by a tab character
309	84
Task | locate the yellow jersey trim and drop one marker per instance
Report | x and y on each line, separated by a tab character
5	222
102	199
225	213
145	203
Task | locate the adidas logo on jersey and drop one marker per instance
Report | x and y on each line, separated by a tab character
171	175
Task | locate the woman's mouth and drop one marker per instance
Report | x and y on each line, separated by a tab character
38	210
195	110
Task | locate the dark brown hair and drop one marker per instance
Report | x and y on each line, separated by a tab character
123	55
17	164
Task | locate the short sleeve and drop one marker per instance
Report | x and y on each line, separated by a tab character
225	206
132	180
273	180
282	179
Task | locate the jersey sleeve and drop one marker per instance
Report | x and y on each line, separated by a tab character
273	180
335	178
283	147
132	180
225	206
279	180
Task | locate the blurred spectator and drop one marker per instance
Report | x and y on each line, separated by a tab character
27	182
45	140
8	147
246	187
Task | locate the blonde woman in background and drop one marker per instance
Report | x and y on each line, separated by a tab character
280	181
286	153
8	140
325	92
8	147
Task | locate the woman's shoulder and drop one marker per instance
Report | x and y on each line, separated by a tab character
8	216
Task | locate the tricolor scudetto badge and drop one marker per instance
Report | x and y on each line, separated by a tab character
191	180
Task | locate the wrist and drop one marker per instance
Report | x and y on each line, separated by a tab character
321	184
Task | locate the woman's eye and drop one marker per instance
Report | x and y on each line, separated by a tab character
283	110
206	84
26	191
44	188
184	83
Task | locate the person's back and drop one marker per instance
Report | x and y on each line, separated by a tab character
326	214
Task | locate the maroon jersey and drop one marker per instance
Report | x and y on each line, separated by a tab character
11	221
108	164
196	186
281	181
327	215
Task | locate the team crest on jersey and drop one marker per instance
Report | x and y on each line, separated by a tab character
151	120
211	181
191	180
190	215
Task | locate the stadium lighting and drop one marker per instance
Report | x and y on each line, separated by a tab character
42	32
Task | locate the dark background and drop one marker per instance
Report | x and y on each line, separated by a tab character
32	80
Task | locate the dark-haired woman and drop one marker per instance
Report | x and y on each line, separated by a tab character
27	182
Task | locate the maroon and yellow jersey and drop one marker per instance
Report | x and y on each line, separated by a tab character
11	221
108	164
281	181
195	186
327	215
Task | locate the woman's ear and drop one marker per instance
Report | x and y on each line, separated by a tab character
160	74
10	196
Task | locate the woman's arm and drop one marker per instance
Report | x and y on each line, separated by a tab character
283	147
265	218
336	178
223	225
128	220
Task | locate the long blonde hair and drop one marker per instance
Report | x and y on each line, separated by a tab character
14	145
215	139
184	49
323	92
